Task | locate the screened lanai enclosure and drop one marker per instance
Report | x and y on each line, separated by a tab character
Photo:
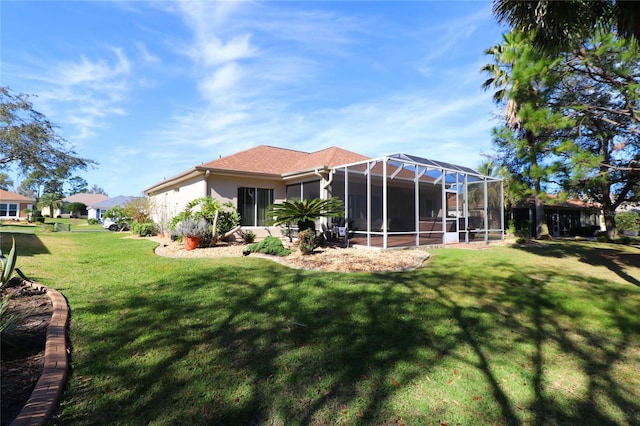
403	200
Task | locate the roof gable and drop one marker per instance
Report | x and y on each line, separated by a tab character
14	196
273	160
260	159
329	157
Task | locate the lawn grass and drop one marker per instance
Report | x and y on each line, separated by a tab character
545	334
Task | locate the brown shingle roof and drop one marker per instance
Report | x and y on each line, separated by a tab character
13	196
273	160
329	157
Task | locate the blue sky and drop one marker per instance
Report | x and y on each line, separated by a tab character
149	89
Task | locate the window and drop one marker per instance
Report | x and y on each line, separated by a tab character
304	191
8	210
253	204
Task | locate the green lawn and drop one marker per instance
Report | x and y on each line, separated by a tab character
532	335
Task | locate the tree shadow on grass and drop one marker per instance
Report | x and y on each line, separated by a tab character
256	343
27	244
624	261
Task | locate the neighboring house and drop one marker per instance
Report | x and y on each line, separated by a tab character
95	211
84	198
569	217
14	206
395	200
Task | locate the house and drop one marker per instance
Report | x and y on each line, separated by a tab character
81	197
96	210
86	199
563	217
14	206
396	200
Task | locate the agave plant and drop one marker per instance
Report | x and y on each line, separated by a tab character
7	264
193	228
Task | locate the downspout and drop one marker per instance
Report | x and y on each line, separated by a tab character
329	179
206	175
324	194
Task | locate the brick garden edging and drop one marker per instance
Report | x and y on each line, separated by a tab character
48	389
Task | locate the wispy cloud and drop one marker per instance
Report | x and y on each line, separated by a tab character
258	94
84	92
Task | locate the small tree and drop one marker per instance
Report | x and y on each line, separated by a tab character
118	215
51	201
76	209
628	221
138	209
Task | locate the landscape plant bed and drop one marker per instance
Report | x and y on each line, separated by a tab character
23	346
545	334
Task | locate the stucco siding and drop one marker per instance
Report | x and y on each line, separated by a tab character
225	188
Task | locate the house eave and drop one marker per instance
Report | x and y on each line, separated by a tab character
174	180
243	173
206	171
301	174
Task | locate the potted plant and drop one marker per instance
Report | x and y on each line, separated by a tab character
191	231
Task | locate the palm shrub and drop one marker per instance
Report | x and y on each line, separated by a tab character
304	213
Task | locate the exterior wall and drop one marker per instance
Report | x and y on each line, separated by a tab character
225	189
93	213
171	201
21	207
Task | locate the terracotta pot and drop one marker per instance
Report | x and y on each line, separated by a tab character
191	243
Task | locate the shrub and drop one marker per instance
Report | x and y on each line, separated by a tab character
248	236
582	231
270	245
627	221
37	216
206	208
307	241
625	240
146	229
93	221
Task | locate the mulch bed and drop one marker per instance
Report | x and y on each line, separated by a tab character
22	351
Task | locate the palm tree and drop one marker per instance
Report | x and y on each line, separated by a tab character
499	72
557	23
52	201
516	46
304	213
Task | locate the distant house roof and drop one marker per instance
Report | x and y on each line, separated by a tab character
86	199
553	200
14	196
120	200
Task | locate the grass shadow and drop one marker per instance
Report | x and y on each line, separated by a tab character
27	244
624	261
471	337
